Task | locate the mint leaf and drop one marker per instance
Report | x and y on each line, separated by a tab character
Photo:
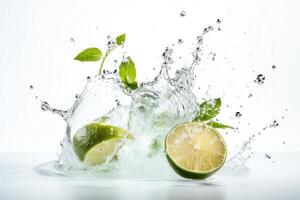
218	125
127	73
89	54
208	110
121	39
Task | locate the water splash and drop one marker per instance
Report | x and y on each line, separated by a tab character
46	107
148	113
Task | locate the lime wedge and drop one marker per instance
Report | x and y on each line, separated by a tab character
195	150
96	142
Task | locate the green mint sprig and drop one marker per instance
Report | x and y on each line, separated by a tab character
127	70
121	39
209	110
127	73
89	54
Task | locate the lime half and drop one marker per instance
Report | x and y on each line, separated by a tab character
195	150
96	142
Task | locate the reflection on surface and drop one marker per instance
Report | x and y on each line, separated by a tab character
265	180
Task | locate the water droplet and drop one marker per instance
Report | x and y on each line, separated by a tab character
238	114
72	40
219	29
115	71
267	156
88	78
118	102
250	95
260	79
283	142
273	66
77	96
167	56
214	56
180	41
183	14
259	133
45	106
274	124
208	29
218	21
31	87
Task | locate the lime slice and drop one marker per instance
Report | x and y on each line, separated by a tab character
96	142
195	150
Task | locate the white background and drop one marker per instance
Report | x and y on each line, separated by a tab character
35	49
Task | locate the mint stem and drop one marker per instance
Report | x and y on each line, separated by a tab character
102	63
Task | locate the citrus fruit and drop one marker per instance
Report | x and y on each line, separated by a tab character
195	150
96	142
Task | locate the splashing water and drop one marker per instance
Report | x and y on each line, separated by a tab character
148	113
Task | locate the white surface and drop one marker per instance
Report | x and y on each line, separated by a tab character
36	49
265	180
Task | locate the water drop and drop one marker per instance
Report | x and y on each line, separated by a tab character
259	133
45	106
77	96
180	41
208	29
260	79
273	66
283	142
88	78
238	114
218	21
267	156
183	14
219	29
274	124
214	56
72	40
250	95
31	87
118	102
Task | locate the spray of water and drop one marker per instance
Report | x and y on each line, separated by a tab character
148	113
